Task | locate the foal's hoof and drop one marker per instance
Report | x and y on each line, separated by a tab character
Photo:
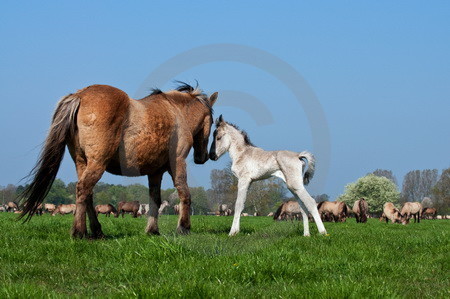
183	230
232	234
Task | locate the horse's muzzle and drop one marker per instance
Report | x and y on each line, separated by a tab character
201	160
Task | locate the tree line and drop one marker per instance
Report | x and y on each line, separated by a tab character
378	187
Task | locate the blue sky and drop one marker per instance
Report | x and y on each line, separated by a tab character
380	71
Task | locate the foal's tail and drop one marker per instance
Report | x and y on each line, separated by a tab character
44	172
309	173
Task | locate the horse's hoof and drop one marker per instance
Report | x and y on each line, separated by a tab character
232	234
183	230
79	235
97	236
153	233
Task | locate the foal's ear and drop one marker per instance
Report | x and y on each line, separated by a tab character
219	120
213	98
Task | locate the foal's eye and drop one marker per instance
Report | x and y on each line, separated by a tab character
220	137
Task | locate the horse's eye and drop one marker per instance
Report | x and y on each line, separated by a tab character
220	137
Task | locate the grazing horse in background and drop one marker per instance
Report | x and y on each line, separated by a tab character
412	209
333	210
176	209
107	210
429	213
163	206
361	209
224	210
65	209
288	210
390	212
132	207
11	206
49	207
250	163
106	130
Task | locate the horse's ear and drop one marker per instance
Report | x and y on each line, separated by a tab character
213	98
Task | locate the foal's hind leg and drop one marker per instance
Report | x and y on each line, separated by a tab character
292	171
304	216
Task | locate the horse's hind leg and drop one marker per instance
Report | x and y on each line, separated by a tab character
91	174
94	224
154	183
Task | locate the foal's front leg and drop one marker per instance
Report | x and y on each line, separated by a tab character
243	186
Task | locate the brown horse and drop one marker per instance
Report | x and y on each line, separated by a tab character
11	206
107	210
288	210
65	209
332	211
390	212
49	207
361	209
412	209
429	213
105	130
129	207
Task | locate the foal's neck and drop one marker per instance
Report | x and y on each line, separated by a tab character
238	145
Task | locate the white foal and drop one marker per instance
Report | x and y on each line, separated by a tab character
250	163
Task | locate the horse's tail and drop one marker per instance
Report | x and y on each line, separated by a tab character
278	212
309	173
44	172
362	211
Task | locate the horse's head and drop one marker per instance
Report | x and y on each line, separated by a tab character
201	139
221	142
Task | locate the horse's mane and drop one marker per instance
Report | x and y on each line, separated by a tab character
194	92
319	205
244	134
278	212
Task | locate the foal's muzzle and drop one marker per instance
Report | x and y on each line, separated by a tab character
213	156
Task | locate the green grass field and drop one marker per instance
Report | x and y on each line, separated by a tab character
267	259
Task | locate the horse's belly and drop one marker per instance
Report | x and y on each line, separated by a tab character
135	164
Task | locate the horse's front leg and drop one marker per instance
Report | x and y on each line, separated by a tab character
154	184
243	186
179	177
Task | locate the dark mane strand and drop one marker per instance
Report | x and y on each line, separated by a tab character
195	92
155	91
244	134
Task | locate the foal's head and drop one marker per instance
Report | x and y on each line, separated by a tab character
224	135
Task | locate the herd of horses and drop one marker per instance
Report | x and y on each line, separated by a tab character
106	130
336	211
134	208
